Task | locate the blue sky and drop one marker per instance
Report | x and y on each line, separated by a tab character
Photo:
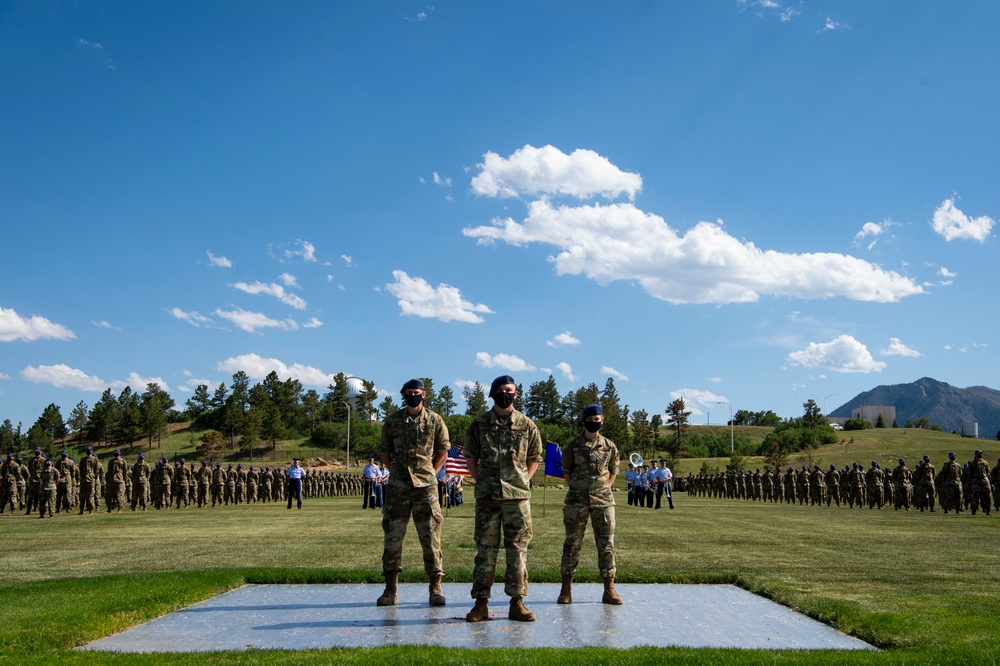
752	202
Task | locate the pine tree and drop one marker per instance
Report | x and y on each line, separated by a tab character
475	400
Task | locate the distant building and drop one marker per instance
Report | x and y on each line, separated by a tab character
871	413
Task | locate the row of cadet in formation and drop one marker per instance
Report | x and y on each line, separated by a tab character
645	484
48	486
375	480
972	486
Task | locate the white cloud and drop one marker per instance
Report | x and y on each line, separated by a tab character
348	260
258	367
273	289
138	383
4	375
63	376
503	361
705	265
221	262
608	370
251	321
567	371
312	323
869	229
15	327
944	272
830	25
304	250
897	348
565	338
102	324
194	318
442	181
842	354
952	223
289	280
715	380
417	297
548	170
697	400
468	384
789	13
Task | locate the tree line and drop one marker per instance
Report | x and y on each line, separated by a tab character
241	417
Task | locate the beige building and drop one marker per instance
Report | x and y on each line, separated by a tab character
871	413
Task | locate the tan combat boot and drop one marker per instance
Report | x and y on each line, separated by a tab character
479	612
565	594
519	612
610	596
389	597
435	592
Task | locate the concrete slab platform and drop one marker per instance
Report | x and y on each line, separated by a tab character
296	617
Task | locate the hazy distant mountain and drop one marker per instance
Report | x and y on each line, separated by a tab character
942	404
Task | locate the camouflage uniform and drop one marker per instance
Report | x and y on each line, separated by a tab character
902	481
950	491
117	470
48	480
503	447
10	472
587	466
64	489
979	484
412	442
89	476
140	483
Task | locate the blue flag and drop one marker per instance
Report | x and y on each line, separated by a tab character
553	460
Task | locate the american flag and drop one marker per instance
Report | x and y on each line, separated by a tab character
456	464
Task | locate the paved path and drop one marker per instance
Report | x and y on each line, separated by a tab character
320	616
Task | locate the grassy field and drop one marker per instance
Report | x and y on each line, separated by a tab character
923	587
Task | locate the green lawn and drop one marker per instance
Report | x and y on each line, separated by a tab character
923	587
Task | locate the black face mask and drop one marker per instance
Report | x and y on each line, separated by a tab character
413	400
592	426
503	400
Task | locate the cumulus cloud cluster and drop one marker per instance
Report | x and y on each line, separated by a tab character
257	367
14	326
418	298
842	354
504	362
61	375
618	241
951	223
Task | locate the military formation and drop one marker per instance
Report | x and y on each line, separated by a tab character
49	487
970	487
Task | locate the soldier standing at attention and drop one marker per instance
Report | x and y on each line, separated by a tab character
414	448
10	472
979	484
230	476
833	486
503	448
140	482
204	479
295	475
35	466
182	483
371	476
88	479
902	481
951	485
117	469
218	483
64	492
590	465
48	480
